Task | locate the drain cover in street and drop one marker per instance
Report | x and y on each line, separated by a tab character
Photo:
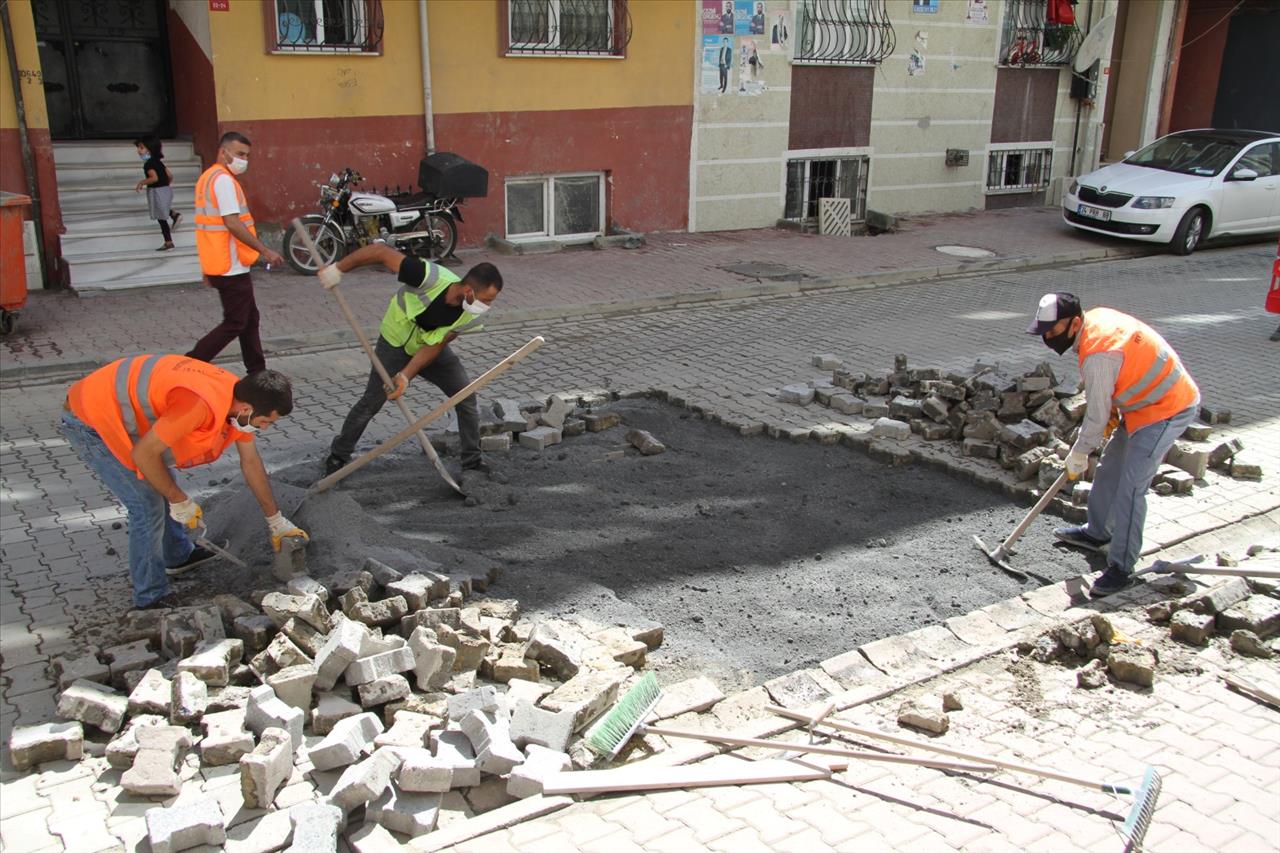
763	271
965	251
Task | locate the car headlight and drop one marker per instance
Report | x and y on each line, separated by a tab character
1074	189
1153	202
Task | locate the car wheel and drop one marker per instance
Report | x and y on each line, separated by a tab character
1190	233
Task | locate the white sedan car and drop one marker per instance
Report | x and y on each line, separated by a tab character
1182	189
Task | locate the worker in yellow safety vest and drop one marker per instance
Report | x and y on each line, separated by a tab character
228	244
424	317
1132	373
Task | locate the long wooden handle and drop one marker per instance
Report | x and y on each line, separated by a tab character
378	366
399	438
1035	510
942	750
715	737
1257	691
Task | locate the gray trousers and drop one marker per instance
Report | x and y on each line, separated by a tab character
446	373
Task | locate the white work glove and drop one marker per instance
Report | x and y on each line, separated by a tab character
187	513
329	276
282	527
1077	464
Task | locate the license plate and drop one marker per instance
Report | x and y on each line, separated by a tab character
1094	212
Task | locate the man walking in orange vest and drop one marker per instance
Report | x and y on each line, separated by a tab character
1129	372
228	245
133	419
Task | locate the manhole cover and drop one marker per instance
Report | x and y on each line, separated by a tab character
965	251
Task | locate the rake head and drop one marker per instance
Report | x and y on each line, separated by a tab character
1143	811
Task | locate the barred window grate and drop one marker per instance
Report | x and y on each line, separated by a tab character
843	32
328	26
1019	170
1029	38
811	180
568	27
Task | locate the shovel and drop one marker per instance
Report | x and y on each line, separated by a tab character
375	361
1000	555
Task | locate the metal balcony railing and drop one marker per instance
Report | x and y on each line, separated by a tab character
843	32
328	26
573	27
1028	38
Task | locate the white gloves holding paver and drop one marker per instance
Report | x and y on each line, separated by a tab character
1077	463
187	513
329	276
281	528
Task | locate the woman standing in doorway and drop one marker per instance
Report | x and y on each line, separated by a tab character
158	183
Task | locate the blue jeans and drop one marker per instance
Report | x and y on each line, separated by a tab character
155	539
1118	500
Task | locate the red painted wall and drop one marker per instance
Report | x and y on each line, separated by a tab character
290	156
645	151
193	91
1199	64
13	179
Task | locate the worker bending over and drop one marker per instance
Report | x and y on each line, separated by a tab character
135	418
1128	370
422	319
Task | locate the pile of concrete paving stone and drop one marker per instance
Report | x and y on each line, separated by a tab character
539	425
1026	423
413	691
1245	610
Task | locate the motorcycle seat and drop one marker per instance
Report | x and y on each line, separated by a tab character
418	199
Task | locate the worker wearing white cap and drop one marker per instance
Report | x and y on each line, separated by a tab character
1129	371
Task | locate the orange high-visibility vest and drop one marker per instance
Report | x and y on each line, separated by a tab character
217	247
1152	385
122	400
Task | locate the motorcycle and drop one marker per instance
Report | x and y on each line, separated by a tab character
420	224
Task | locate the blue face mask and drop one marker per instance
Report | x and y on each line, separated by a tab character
144	157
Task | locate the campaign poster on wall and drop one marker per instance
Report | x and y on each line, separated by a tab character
924	7
976	13
717	64
780	31
717	17
748	17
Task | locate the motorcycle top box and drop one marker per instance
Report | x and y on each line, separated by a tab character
446	175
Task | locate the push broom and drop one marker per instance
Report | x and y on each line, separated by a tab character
1144	795
627	718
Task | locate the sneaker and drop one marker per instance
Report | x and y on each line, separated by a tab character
1112	580
199	556
1073	534
168	601
334	463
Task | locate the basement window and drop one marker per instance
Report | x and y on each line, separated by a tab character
567	28
568	208
327	26
809	180
1019	169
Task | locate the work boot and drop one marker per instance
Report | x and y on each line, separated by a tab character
165	602
334	463
1073	534
1275	336
479	466
1112	580
199	556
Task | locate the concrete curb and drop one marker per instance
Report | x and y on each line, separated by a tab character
340	338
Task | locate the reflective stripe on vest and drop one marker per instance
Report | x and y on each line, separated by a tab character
218	248
422	290
1134	398
397	326
125	400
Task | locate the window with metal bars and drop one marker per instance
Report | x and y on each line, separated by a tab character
842	32
1029	37
567	27
328	26
810	180
1019	170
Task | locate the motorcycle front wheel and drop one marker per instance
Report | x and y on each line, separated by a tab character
328	245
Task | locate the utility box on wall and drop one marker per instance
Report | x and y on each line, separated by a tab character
957	157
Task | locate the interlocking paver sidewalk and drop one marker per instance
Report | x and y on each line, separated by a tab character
63	330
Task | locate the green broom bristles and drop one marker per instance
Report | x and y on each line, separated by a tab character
608	736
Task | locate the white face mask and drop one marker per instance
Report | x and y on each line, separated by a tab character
144	157
247	428
238	165
475	307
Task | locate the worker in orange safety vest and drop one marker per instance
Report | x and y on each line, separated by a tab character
134	419
228	244
1129	371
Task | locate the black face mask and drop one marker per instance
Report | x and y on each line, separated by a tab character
1060	343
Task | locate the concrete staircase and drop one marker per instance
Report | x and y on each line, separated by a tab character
110	243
